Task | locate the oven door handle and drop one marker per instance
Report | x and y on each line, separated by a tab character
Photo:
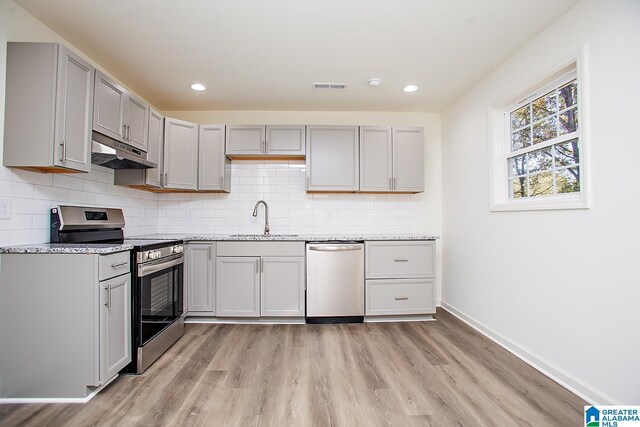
147	269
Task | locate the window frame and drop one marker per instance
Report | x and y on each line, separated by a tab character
500	141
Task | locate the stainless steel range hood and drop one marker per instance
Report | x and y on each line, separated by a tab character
116	155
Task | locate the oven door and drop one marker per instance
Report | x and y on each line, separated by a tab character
160	290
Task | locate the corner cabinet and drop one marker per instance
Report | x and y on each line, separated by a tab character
48	108
86	337
180	154
332	158
391	159
251	141
119	114
214	168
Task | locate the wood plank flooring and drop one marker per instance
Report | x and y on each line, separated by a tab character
385	374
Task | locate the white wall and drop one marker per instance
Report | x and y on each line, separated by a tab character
559	287
32	194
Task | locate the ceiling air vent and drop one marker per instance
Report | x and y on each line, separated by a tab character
339	86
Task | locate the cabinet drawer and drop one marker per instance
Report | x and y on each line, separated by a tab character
400	297
402	259
113	265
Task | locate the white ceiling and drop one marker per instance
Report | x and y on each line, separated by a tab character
264	54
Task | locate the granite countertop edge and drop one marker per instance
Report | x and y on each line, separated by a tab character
57	248
288	237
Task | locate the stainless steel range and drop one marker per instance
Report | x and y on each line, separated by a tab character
157	277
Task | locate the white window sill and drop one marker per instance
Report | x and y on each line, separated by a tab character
542	203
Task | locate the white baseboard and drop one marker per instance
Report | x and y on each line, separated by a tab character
558	375
384	319
15	400
247	321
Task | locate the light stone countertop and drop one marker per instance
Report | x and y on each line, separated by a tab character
287	237
66	248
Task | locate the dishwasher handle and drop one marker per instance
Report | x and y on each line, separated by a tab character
335	248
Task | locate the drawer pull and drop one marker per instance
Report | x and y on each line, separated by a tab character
119	264
401	298
401	260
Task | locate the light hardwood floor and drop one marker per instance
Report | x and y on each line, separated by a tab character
395	374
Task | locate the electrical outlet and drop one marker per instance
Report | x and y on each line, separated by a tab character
5	209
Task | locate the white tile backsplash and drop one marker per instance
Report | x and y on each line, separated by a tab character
280	183
32	194
291	210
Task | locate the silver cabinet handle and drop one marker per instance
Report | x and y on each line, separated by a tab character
261	265
128	132
209	251
64	151
119	264
395	184
307	182
390	183
166	179
124	132
160	178
401	298
400	260
264	146
339	248
108	303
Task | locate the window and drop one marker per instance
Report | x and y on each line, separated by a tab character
538	146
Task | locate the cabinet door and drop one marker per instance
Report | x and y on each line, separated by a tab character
137	113
282	286
243	140
332	158
238	286
375	158
200	277
285	140
74	106
115	325
214	173
108	107
408	159
155	147
180	154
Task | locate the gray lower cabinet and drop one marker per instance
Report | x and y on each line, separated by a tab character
115	325
282	286
214	167
119	114
238	286
332	158
48	108
200	278
180	154
400	278
391	159
74	312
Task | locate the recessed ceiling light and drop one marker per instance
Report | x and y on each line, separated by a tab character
198	87
374	82
410	88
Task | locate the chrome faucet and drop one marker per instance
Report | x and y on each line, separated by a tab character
266	215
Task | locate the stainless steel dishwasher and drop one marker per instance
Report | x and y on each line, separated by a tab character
335	282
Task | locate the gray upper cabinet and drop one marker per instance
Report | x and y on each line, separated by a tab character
118	114
332	158
155	147
265	141
285	141
137	122
245	140
238	286
48	108
391	159
214	168
282	286
200	276
180	154
408	159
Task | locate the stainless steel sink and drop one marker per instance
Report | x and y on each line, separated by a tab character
262	236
